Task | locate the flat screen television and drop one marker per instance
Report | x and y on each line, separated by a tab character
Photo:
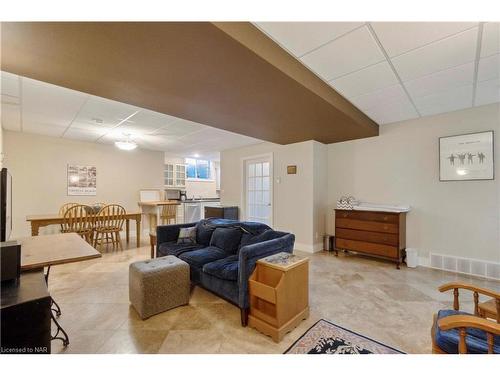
5	205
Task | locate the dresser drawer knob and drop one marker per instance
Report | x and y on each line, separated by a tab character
345	214
386	227
386	218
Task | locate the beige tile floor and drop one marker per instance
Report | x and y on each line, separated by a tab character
368	296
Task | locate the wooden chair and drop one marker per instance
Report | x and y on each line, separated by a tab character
98	206
168	213
65	206
79	219
458	332
109	223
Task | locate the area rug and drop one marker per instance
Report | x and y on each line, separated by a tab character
325	337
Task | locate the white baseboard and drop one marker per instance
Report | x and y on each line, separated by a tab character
308	248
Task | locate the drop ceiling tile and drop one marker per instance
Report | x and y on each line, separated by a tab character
302	37
388	95
50	130
366	80
181	127
400	37
90	128
445	101
487	92
43	103
351	52
81	135
444	80
491	39
387	113
9	84
105	112
444	54
489	68
11	117
147	121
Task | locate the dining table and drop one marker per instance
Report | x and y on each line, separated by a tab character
38	221
44	252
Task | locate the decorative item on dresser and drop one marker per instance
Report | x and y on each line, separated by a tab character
378	233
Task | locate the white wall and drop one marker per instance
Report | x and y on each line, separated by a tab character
401	166
38	166
293	199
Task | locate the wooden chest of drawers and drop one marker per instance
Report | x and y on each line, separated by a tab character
377	233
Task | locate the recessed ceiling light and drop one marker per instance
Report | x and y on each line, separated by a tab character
196	155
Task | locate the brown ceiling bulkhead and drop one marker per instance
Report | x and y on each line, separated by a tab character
228	75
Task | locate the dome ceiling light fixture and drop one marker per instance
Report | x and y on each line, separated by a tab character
127	145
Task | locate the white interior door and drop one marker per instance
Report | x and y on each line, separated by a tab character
258	190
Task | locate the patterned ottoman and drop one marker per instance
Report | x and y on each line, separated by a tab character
158	285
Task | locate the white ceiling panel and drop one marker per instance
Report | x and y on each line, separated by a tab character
92	128
9	84
444	54
108	113
50	130
488	92
353	51
388	95
147	121
491	39
82	134
447	79
489	68
302	37
11	117
43	103
180	128
445	101
400	37
386	113
366	80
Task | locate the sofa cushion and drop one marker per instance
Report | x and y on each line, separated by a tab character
250	239
187	236
176	249
226	268
475	339
227	239
198	258
204	231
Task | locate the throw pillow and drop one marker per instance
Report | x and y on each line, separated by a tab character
187	236
204	232
227	239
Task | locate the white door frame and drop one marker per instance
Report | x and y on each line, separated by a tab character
244	160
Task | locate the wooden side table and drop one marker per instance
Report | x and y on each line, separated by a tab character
152	242
279	294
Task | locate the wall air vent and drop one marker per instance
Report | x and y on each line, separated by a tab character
467	266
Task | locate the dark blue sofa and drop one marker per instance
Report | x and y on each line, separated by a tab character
224	255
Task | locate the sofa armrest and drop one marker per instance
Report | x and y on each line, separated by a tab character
169	233
250	254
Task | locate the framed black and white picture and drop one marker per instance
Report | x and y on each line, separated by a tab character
82	180
466	157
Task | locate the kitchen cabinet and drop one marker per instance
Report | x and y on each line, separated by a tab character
175	175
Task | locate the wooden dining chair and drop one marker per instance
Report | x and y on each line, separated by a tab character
79	219
459	332
109	223
63	208
169	213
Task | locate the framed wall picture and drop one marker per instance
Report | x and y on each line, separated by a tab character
82	180
466	157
